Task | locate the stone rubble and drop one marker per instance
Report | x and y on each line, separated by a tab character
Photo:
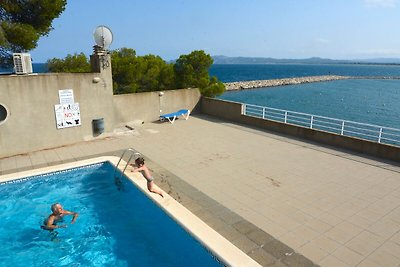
279	82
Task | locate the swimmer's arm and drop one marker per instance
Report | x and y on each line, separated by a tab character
74	214
137	169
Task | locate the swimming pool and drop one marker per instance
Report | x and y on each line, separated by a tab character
115	227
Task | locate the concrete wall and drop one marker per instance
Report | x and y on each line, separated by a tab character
30	100
233	111
148	106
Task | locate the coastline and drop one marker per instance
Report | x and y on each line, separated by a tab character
242	85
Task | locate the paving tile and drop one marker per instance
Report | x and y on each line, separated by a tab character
396	238
244	227
384	258
384	228
230	233
37	158
229	217
51	157
392	248
278	264
306	233
278	249
272	228
313	252
330	219
23	162
369	263
8	164
193	206
215	223
360	221
262	257
298	260
318	226
343	232
244	244
291	239
348	256
325	244
361	246
203	214
332	261
394	215
259	237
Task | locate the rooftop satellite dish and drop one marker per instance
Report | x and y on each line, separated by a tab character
103	36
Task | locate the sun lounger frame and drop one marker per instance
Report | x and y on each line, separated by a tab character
171	117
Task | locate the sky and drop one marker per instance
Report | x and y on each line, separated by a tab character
335	29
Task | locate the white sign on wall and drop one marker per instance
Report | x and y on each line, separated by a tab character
66	96
67	115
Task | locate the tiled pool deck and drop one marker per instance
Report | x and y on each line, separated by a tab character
276	198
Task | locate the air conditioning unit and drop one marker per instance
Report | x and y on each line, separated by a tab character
22	63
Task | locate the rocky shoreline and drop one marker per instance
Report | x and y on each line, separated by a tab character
279	82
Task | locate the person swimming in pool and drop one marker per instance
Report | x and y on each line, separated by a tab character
141	167
58	216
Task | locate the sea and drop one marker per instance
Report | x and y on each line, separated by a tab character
36	67
373	97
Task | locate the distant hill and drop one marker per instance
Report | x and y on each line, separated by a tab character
312	60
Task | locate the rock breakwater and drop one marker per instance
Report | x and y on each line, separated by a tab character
279	82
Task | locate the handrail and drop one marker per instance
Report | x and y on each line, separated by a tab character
123	154
366	131
133	153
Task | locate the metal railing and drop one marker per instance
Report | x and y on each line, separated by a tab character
118	174
375	133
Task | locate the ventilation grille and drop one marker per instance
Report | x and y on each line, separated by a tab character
22	63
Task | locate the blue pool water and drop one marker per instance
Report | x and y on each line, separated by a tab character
115	228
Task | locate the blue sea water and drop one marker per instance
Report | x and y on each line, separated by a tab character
37	68
374	101
249	72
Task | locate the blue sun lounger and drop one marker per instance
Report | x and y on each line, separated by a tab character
172	116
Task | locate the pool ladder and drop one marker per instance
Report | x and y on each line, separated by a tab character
132	153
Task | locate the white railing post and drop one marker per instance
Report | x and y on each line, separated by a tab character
312	118
263	113
245	109
285	116
380	135
342	131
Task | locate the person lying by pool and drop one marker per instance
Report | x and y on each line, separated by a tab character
58	216
141	167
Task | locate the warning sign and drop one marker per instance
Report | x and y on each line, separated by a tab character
67	115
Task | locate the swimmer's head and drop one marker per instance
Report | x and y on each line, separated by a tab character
56	208
139	162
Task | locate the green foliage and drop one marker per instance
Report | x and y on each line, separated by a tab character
123	71
133	74
192	70
23	22
214	88
71	63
